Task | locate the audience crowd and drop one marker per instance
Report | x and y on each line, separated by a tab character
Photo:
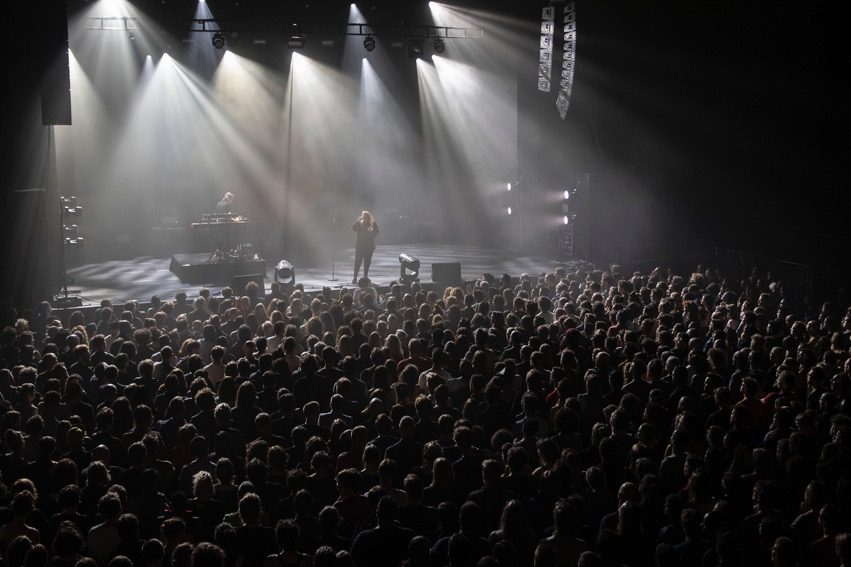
591	418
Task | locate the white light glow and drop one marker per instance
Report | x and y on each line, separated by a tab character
481	107
174	133
111	9
564	219
251	94
566	195
201	54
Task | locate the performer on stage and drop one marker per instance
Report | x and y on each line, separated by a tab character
226	204
367	229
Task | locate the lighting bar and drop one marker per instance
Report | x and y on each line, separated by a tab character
112	23
209	25
408	31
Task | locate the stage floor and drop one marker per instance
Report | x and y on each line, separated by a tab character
141	278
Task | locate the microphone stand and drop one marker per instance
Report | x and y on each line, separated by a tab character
333	248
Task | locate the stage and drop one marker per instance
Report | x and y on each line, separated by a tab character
140	278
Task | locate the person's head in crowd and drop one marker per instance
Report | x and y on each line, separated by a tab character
207	555
152	552
173	531
325	556
843	548
785	553
181	555
38	556
287	535
545	556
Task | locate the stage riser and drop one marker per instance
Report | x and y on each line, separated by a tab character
90	311
194	269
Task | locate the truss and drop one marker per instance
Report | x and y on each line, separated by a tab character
301	28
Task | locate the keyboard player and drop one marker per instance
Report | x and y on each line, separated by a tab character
226	204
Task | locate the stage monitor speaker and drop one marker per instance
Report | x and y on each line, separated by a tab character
238	284
446	273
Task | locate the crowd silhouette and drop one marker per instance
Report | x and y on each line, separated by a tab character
584	418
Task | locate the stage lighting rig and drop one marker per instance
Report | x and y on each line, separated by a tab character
70	238
70	208
283	271
412	36
570	234
509	197
409	268
566	196
415	48
218	40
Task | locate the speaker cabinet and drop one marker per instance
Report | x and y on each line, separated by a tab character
446	273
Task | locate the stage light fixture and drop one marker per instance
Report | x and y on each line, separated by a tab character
296	41
564	219
409	268
218	40
283	271
509	211
439	46
566	194
369	43
70	208
508	186
71	237
415	48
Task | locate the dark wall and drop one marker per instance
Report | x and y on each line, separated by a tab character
31	49
722	120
